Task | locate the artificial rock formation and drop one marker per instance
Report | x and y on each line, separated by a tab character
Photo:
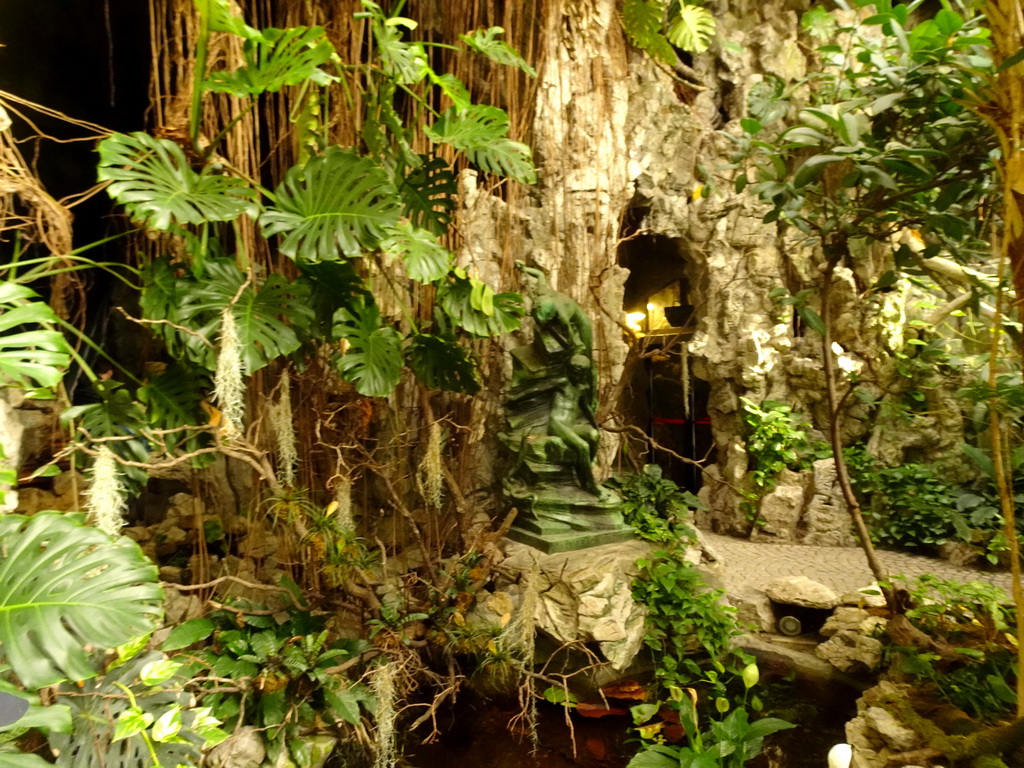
584	596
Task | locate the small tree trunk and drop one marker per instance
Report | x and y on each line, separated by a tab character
1004	483
834	253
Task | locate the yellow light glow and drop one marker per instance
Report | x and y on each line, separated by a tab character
651	306
633	320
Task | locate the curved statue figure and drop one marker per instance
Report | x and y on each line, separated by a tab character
551	404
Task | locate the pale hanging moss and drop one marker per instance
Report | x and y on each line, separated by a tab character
229	378
282	423
386	693
105	498
430	475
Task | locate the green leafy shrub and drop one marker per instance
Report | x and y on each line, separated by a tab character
656	508
777	439
684	618
973	667
906	507
910	507
286	672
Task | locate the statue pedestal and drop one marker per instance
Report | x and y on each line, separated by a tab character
564	519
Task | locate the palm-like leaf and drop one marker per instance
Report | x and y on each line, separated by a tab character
66	587
441	363
96	706
331	285
487	42
163	286
426	260
338	201
429	195
481	133
279	57
34	356
643	20
262	334
373	361
692	29
152	178
115	415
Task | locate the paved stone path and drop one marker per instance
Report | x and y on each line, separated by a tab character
844	569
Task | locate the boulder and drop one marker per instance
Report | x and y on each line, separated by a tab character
896	736
850	651
585	595
845	618
800	590
780	511
753	609
244	749
866	597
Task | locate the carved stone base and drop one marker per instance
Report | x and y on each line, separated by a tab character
568	542
567	519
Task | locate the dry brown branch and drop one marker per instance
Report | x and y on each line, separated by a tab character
175	326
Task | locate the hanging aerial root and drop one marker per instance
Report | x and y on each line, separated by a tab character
229	381
105	498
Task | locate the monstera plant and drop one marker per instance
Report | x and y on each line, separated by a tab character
67	592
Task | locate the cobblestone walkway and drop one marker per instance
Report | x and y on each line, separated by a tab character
844	569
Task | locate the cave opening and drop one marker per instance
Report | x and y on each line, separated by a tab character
661	395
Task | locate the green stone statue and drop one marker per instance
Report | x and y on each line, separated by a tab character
553	435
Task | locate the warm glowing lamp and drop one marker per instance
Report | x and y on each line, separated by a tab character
633	320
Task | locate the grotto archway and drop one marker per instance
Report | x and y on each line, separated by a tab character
661	395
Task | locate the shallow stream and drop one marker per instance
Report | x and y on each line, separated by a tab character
475	732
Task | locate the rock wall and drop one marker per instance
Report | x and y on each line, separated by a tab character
615	135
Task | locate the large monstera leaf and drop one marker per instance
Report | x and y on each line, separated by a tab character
407	62
331	285
337	205
66	587
260	314
278	57
373	360
428	192
692	29
440	362
489	43
481	133
114	414
29	355
172	396
154	181
643	21
96	706
425	259
473	306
